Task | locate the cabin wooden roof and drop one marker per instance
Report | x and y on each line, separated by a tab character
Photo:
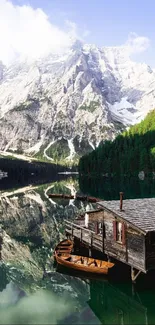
139	212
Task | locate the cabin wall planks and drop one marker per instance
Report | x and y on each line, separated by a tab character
136	250
131	249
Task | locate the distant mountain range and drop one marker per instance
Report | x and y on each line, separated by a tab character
62	106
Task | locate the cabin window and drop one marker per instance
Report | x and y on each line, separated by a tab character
100	228
119	232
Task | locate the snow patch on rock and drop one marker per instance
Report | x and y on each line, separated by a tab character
45	154
72	150
36	147
124	112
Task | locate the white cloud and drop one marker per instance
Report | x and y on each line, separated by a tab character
72	28
25	31
86	33
75	32
137	44
28	32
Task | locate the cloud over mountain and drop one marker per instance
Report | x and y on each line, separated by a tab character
27	31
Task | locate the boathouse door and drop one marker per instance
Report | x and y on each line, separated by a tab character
98	228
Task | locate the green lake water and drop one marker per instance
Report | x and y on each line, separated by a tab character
34	224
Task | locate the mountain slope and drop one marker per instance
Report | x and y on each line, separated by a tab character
130	153
64	106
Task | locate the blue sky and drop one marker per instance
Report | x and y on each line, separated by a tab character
104	22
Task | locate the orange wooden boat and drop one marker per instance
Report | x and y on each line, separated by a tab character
63	255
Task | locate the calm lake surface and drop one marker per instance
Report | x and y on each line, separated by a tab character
31	226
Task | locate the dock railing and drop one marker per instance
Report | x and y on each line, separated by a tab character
84	234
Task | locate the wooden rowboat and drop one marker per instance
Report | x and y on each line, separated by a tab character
65	258
64	247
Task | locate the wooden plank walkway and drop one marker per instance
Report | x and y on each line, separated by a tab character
86	236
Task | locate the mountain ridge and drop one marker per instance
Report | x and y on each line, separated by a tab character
62	106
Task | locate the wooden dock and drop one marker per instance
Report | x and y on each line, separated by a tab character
86	236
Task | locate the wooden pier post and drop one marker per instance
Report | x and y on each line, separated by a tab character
91	245
91	241
90	252
109	259
81	235
72	231
134	274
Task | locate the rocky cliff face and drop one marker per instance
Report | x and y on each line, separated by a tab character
63	106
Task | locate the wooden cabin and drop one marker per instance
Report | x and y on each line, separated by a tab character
125	233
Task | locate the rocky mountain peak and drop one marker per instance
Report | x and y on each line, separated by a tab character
61	106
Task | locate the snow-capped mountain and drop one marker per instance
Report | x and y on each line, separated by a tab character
64	105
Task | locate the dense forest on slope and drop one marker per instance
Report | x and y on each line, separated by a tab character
131	152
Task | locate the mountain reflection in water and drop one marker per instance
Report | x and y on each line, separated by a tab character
41	307
31	226
68	300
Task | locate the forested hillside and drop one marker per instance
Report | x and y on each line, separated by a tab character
131	152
